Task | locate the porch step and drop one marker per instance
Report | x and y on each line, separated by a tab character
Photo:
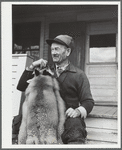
99	111
102	135
97	142
102	125
101	131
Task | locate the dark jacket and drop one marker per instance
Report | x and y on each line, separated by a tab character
74	87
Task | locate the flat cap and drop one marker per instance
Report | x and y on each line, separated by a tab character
63	40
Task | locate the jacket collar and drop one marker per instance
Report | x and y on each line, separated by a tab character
71	68
63	76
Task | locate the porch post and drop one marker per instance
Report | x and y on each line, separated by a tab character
41	42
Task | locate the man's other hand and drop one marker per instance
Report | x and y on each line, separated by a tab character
72	113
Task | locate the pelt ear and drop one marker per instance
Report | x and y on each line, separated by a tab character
48	72
37	72
29	81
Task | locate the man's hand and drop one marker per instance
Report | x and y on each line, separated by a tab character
41	63
73	113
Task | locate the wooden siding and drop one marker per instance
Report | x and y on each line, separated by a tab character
102	131
46	36
102	27
102	76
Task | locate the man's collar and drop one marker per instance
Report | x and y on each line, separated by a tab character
63	67
70	67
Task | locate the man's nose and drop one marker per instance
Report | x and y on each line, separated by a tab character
54	52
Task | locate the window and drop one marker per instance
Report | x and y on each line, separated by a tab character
26	37
103	48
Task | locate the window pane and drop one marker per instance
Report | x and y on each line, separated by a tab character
26	35
103	48
103	54
104	40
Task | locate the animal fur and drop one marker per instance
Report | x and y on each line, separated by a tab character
43	112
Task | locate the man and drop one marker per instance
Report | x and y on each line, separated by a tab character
74	88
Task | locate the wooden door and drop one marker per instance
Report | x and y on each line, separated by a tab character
101	61
77	31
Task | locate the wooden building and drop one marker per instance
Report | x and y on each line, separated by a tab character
95	31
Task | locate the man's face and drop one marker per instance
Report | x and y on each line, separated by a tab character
59	52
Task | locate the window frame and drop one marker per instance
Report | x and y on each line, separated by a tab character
98	63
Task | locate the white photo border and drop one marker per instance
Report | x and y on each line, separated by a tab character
6	51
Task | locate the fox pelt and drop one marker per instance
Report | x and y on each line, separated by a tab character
43	112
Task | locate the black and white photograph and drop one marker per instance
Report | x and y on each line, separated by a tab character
61	74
